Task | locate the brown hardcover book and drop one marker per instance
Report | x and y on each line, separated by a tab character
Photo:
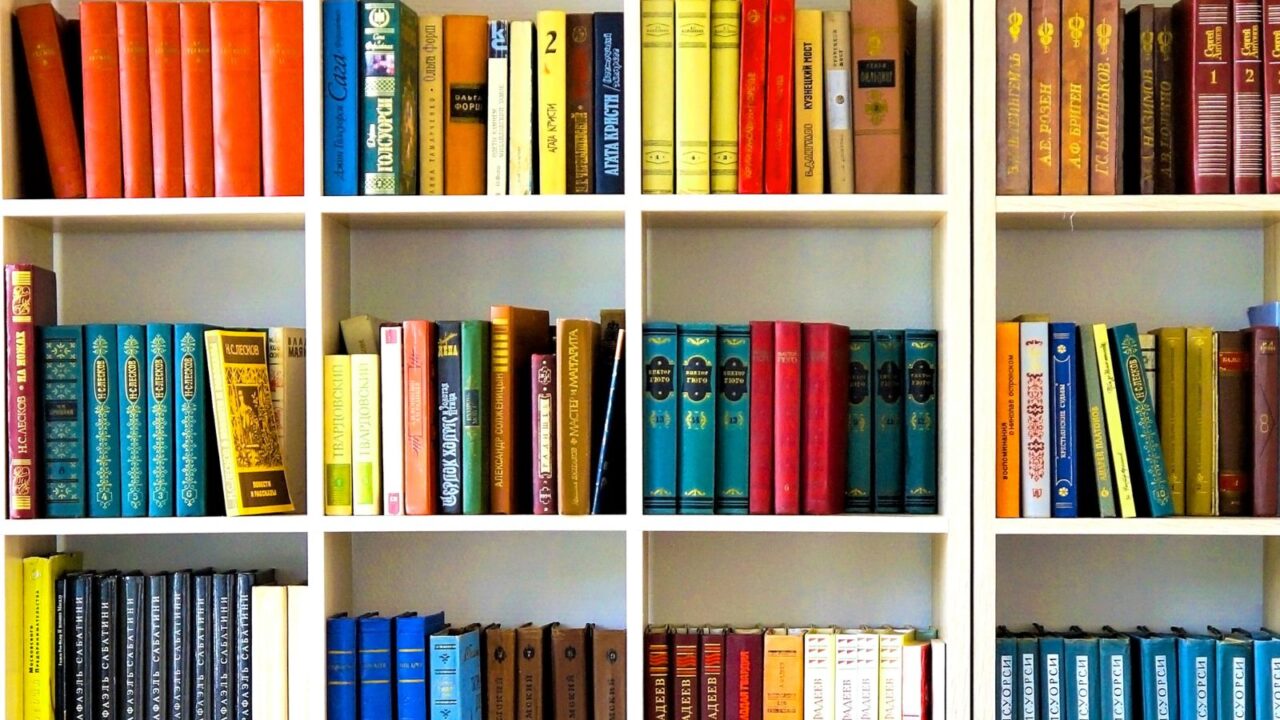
543	444
1266	460
569	673
883	52
1046	77
1165	103
466	77
579	90
1234	390
517	333
41	30
531	671
1106	174
1077	95
1013	98
609	673
1246	105
1140	99
1203	33
576	342
500	673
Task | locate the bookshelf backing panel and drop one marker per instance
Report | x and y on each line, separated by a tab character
286	552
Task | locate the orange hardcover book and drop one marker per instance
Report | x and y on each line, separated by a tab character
237	130
100	65
1008	417
516	335
42	48
419	412
165	66
282	113
197	99
466	73
135	100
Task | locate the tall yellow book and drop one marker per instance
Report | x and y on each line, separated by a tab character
253	474
551	109
657	96
1202	422
337	434
38	577
783	674
839	139
431	104
1115	428
1171	384
808	94
366	448
693	96
726	32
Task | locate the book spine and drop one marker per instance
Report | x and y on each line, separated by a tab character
197	104
787	387
1135	397
825	371
1106	176
42	48
809	149
607	496
39	624
884	55
1266	666
449	415
30	301
1034	386
545	501
1013	94
1029	681
609	674
1096	420
1266	457
419	414
191	429
100	65
431	104
1207	110
1202	422
1114	677
62	407
201	646
1080	678
580	104
858	480
887	411
500	675
410	632
530	672
551	82
697	436
751	96
1171	349
376	668
340	666
160	420
711	675
337	435
1045	55
1077	95
866	673
684	651
693	96
1234	462
743	676
568	671
382	166
657	96
1271	90
1159	681
1052	676
760	430
475	416
444	694
132	618
845	688
164	61
778	103
81	648
836	80
102	392
1115	427
244	674
576	342
341	83
366	453
135	100
222	628
1140	99
733	407
496	108
819	675
131	341
662	417
1063	370
1006	678
891	651
1235	679
237	102
1197	677
1166	125
155	665
520	133
179	671
610	71
280	47
726	20
1008	419
391	422
1247	143
920	397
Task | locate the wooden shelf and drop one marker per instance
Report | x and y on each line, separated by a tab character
1099	212
1213	526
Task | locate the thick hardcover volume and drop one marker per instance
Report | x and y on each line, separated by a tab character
237	102
374	666
809	151
1052	672
466	71
783	674
419	418
155	655
743	673
760	427
517	333
887	412
733	411
1234	462
530	672
431	105
520	123
164	63
1034	390
102	417
366	448
726	22
551	81
341	90
1080	677
160	420
778	103
836	80
391	420
711	677
579	103
201	644
883	58
340	665
132	360
1046	74
449	415
1171	380
1027	650
280	46
819	675
576	342
920	420
1141	93
62	407
43	618
337	435
389	86
1156	676
1197	675
787	389
496	108
857	487
684	654
412	662
253	474
100	65
825	372
1166	174
1247	121
1008	419
1013	97
222	629
1113	410
191	409
658	675
179	670
245	679
1106	175
455	690
1008	696
1141	432
569	678
475	416
609	673
697	413
286	373
1266	458
607	142
31	300
500	673
1206	39
106	648
197	96
657	96
135	99
545	485
1266	663
1063	372
1077	95
1271	89
1202	421
1234	663
133	595
79	650
752	89
693	96
39	26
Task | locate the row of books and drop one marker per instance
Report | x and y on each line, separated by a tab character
166	99
743	91
108	644
814	673
148	420
452	105
1141	673
787	418
507	415
417	666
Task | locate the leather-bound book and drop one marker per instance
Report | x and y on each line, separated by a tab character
1235	461
1046	77
826	412
684	653
1013	98
579	95
609	673
466	73
237	123
883	48
500	673
41	27
1166	89
100	63
711	673
1077	95
197	98
282	108
135	99
1203	31
1246	105
531	671
1140	100
1106	176
569	673
1266	461
164	64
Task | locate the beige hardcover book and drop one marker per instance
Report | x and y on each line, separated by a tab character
725	37
360	334
808	93
431	105
299	635
287	373
520	107
576	342
270	638
835	52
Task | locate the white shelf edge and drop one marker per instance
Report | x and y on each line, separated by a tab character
472	523
1211	526
248	525
108	208
895	524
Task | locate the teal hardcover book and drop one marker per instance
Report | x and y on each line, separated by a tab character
1156	658
1029	679
733	413
920	397
887	466
389	99
131	340
455	674
1114	677
192	414
661	414
1266	674
1080	679
1052	676
160	431
1197	676
62	408
475	417
1141	432
1235	676
697	441
1006	678
102	393
857	488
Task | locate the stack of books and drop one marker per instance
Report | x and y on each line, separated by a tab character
467	105
190	99
734	93
724	408
411	665
148	420
507	415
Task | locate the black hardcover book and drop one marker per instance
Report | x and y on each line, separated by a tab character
80	654
201	662
155	668
133	625
1140	101
449	415
61	606
245	580
222	626
179	645
106	602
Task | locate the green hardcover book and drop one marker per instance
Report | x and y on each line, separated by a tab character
887	478
389	103
102	392
1094	419
733	410
475	417
697	440
131	345
857	487
62	412
660	417
920	383
1142	435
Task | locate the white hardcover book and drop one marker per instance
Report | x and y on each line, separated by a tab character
392	385
938	678
866	675
366	447
915	679
496	156
269	635
287	374
819	675
846	676
299	656
891	642
520	110
1034	391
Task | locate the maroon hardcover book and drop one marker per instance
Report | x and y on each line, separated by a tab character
31	300
657	673
684	646
1204	31
744	674
711	674
760	468
1106	173
1271	60
1247	114
544	434
1266	461
786	417
1234	393
826	417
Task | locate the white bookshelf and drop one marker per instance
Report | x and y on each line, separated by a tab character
867	261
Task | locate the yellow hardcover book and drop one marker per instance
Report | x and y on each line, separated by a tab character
693	96
1171	384
431	104
839	139
551	113
783	674
1115	430
810	150
38	602
657	96
337	435
576	342
726	24
891	690
1201	471
366	448
254	479
520	180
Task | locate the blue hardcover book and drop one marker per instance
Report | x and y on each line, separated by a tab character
1006	678
1114	678
857	488
1197	677
411	633
608	122
375	667
340	672
102	393
449	415
192	412
1053	671
887	478
131	344
1063	369
62	420
696	482
920	426
1157	676
160	431
660	417
1028	669
1080	681
341	97
1142	435
1266	675
455	674
1235	677
733	412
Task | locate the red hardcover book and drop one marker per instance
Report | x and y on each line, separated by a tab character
1235	386
419	430
826	417
197	99
237	130
684	649
100	65
31	300
1204	31
1271	87
545	493
165	66
711	674
1247	113
778	99
743	675
135	100
579	89
786	418
760	467
282	111
657	673
40	29
1266	458
751	92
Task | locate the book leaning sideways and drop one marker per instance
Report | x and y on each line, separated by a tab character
244	421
